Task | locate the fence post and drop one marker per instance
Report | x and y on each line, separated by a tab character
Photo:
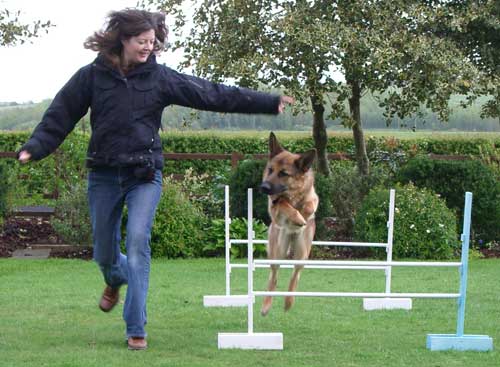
235	158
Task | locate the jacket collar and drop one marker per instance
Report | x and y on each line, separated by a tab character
103	63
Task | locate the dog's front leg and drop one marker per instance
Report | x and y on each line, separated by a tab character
284	213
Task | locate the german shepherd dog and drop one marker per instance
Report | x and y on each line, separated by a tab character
289	182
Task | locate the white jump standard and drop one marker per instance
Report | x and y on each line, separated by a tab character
458	341
369	304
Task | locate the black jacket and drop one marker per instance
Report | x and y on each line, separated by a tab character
126	111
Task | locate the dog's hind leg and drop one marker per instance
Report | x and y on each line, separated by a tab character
289	300
276	249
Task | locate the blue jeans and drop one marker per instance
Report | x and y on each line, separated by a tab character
108	190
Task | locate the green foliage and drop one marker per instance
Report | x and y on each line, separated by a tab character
424	227
178	226
207	191
72	218
248	175
215	240
341	195
13	31
451	179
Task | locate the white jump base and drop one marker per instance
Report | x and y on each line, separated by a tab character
266	341
226	301
372	304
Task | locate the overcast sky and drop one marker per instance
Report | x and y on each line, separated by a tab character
37	70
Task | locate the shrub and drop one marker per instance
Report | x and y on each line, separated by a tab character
215	240
207	191
72	219
178	226
451	179
341	195
4	187
424	228
247	175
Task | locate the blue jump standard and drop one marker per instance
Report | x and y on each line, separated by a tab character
459	341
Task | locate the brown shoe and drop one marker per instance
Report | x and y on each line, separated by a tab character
109	298
135	343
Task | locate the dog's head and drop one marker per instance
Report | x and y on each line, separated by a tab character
284	170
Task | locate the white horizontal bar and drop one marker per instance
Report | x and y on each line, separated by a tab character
321	243
360	295
240	242
244	266
349	244
356	263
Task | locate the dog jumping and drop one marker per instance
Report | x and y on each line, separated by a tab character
288	181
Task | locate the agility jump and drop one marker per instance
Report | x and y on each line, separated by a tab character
457	341
229	300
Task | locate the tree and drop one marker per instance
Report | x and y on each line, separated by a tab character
12	31
300	45
480	40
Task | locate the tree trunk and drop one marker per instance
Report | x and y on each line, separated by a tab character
319	134
357	129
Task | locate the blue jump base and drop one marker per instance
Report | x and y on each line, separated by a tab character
482	343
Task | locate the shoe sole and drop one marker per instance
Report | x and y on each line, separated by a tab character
137	348
106	309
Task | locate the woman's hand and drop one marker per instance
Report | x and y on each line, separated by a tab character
284	100
24	156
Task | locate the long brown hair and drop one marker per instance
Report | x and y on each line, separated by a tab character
124	24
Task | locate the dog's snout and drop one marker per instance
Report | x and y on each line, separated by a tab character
269	188
266	188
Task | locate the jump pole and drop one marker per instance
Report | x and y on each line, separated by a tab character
250	340
386	303
460	341
226	300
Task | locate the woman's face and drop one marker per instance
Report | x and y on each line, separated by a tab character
137	49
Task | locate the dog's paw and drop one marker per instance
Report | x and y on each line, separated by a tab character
298	220
289	300
266	306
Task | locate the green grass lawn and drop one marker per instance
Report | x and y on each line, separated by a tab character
49	317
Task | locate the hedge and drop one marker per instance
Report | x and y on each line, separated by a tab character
70	167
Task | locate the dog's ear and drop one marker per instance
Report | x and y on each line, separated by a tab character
274	146
306	160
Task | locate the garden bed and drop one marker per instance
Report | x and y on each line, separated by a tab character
19	233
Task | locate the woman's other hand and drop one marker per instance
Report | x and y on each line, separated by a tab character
24	156
284	100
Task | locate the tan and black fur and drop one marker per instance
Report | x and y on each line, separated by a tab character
289	182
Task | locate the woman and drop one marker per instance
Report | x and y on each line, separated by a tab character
127	91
